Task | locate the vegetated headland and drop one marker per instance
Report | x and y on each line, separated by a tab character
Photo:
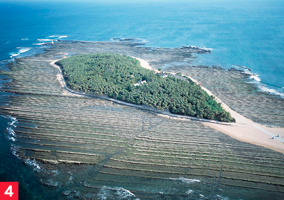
121	77
90	146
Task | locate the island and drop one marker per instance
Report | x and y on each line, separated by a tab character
80	143
121	77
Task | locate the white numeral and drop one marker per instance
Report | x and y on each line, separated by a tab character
9	191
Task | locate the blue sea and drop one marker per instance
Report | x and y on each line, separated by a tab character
246	33
240	33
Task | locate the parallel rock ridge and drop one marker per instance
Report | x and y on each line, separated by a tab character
106	146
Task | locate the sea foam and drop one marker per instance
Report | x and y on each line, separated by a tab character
20	51
9	130
33	163
186	180
254	76
270	91
42	43
12	139
262	86
57	36
222	197
14	120
44	40
189	191
205	48
120	193
14	151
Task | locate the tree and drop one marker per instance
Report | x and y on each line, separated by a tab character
115	76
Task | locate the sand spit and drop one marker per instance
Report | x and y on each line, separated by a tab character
244	129
145	64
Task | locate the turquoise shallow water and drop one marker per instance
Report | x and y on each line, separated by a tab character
246	33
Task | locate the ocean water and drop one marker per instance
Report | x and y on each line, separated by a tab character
240	33
246	33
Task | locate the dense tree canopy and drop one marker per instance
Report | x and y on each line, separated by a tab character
115	75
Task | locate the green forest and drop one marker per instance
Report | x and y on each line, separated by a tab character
116	75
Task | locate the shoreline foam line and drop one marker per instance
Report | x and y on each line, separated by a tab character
244	129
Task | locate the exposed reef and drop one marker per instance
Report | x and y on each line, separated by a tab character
101	143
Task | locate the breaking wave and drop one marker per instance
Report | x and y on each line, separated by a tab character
20	51
12	136
57	36
11	133
9	130
44	40
12	139
189	191
14	151
255	77
119	193
142	40
63	36
205	48
269	90
261	85
186	180
14	120
33	163
194	194
42	43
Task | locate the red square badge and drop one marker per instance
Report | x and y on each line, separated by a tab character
9	190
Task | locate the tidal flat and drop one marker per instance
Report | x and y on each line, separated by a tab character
90	148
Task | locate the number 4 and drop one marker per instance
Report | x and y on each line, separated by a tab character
9	191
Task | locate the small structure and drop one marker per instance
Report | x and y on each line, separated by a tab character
140	83
164	75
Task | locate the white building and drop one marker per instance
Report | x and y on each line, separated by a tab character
140	83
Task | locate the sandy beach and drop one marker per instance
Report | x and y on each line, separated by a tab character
145	64
244	129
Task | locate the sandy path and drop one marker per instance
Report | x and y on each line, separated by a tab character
244	129
60	78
